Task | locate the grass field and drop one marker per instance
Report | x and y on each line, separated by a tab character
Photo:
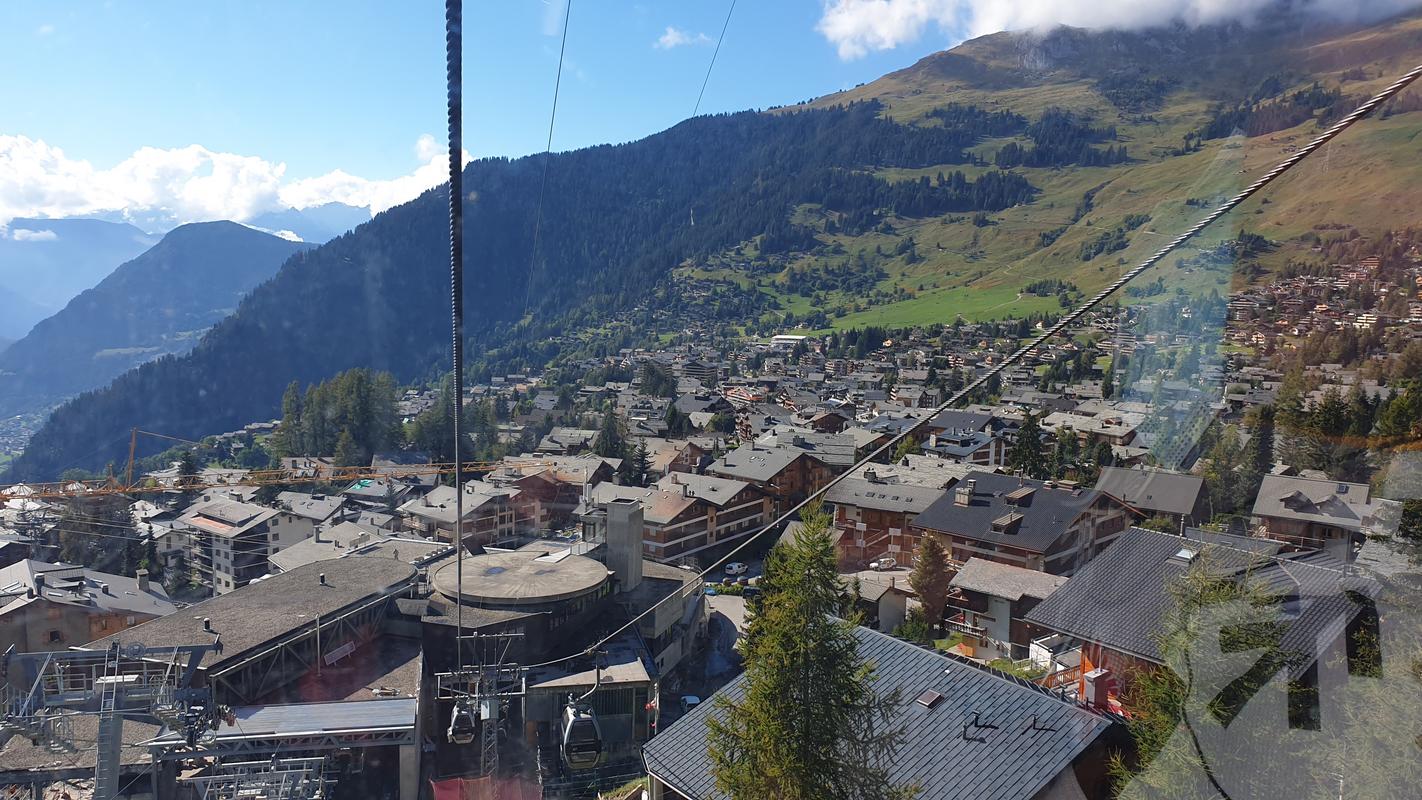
1365	179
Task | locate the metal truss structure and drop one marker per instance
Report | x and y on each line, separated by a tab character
41	690
277	779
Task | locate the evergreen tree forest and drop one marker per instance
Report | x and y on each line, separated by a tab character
377	298
351	416
1061	138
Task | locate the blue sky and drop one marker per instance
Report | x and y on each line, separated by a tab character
352	85
166	112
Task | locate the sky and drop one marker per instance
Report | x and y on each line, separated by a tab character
180	111
253	95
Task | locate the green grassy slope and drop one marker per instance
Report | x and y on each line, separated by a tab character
1366	179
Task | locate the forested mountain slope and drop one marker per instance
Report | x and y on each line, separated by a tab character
159	303
953	187
616	220
48	261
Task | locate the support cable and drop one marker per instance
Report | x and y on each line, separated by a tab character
714	53
547	156
1070	319
453	60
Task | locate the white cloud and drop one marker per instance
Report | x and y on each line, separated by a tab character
426	148
290	236
676	37
24	235
44	30
167	187
858	27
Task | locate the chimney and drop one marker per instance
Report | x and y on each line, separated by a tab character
39	583
322	579
1095	687
142	576
963	496
207	624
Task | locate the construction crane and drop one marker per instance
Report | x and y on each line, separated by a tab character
42	691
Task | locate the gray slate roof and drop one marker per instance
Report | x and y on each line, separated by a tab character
1045	515
1343	505
262	611
955	420
892	497
1152	490
1119	598
755	463
1005	580
75	585
1013	761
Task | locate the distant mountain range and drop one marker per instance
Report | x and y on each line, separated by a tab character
157	304
949	186
317	224
45	262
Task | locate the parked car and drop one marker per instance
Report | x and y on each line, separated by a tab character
743	581
887	562
737	568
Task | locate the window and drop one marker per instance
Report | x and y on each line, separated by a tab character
55	636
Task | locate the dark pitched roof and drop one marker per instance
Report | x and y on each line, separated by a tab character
1045	514
1119	598
954	420
1011	761
1152	490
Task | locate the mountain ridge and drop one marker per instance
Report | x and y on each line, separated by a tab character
49	261
752	205
154	304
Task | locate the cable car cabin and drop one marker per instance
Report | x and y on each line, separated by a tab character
582	738
461	724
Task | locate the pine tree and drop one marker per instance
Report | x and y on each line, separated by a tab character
678	424
178	576
609	442
809	726
287	440
151	561
930	578
1026	456
909	446
347	453
187	473
636	466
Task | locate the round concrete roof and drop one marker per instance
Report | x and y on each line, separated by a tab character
520	578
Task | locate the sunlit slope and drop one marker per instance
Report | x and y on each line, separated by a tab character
1366	180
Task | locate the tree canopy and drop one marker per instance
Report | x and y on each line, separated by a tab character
810	725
